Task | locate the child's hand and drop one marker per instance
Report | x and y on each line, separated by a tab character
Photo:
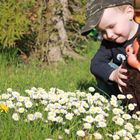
118	75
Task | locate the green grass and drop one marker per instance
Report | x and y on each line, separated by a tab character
70	76
67	76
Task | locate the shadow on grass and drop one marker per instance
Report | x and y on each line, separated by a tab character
84	85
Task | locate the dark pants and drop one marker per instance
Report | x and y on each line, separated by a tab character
108	88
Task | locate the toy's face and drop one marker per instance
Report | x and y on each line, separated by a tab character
132	55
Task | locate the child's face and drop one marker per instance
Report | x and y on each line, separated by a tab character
117	25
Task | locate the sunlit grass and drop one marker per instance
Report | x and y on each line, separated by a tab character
56	114
74	74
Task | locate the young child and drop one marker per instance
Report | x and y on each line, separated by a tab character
115	20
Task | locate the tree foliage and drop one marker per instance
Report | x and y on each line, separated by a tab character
13	21
48	29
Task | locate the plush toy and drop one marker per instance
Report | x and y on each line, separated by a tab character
132	64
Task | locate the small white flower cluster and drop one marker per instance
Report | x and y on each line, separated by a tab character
91	114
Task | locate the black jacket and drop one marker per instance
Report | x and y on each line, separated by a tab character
109	52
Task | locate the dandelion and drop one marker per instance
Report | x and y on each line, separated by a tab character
4	108
80	133
15	116
97	136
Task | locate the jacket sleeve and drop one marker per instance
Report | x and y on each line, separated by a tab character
100	67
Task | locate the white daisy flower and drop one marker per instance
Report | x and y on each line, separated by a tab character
5	96
38	115
10	104
20	98
101	124
67	131
97	136
129	96
15	116
126	116
21	110
99	118
131	107
138	136
18	104
87	125
116	137
31	117
28	104
89	119
119	121
15	94
80	133
129	127
9	90
81	109
59	119
91	89
122	133
69	116
121	96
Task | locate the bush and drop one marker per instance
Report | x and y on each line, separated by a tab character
14	22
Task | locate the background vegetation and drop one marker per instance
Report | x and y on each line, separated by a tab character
41	45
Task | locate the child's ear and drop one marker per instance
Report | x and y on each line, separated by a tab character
130	12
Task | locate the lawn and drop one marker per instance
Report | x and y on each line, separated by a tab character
59	102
